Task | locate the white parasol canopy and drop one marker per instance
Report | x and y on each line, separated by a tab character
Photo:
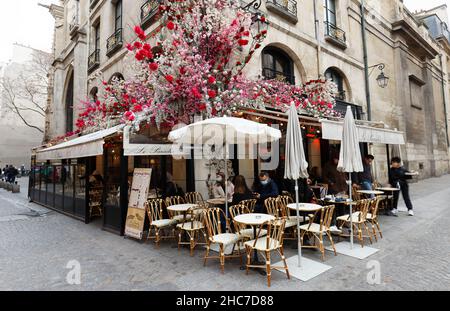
350	158
296	166
225	131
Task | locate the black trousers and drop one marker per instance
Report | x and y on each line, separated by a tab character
404	187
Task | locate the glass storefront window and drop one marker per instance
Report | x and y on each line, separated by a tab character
112	176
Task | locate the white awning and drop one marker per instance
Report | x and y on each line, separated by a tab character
148	149
332	130
81	147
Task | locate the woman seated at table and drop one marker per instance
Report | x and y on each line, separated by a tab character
241	191
219	188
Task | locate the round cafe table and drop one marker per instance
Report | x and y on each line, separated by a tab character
254	220
181	208
305	207
370	192
216	202
391	190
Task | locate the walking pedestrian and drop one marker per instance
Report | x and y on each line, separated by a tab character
398	179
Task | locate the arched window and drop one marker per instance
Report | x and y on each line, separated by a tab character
336	77
277	65
93	94
69	105
117	76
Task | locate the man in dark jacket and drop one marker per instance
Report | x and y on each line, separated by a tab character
266	188
398	177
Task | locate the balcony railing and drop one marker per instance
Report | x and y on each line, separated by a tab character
94	60
271	74
341	107
148	12
115	42
335	34
287	8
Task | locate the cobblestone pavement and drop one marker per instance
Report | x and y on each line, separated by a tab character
36	244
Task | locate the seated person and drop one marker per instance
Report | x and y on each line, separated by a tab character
266	188
219	188
241	191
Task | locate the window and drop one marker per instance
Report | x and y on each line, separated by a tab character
94	94
97	37
330	11
416	91
278	65
69	105
118	15
336	77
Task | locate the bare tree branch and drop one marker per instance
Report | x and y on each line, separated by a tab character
25	92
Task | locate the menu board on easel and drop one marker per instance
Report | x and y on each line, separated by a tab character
134	226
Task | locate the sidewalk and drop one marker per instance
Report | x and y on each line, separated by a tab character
34	252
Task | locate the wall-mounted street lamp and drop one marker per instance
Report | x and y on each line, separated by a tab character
382	79
259	22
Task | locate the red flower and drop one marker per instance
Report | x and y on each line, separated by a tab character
246	33
201	107
169	78
170	26
137	45
140	33
212	93
130	47
137	108
242	42
182	71
211	80
196	93
129	116
263	19
147	47
153	66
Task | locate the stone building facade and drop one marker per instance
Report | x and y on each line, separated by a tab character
307	39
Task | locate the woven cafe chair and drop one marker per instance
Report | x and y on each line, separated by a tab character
355	194
193	227
273	207
176	200
245	232
250	204
273	242
384	199
291	220
159	224
95	203
213	217
359	219
194	198
372	217
317	231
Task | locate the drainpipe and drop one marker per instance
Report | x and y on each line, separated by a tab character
366	61
316	29
444	100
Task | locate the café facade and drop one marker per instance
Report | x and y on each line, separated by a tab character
63	176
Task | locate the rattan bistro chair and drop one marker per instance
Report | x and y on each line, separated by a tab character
359	221
273	242
318	230
158	223
250	204
372	217
194	227
245	232
194	198
213	217
175	200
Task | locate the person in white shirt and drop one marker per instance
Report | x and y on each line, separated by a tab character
219	188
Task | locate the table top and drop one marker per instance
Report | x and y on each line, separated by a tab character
388	189
370	192
254	219
181	207
216	201
305	207
340	202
